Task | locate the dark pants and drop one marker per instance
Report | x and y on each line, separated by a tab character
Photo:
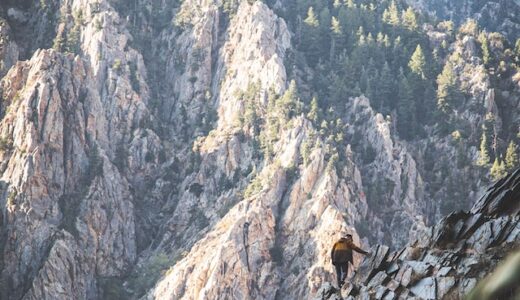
341	272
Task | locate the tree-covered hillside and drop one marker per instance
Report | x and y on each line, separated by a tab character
418	72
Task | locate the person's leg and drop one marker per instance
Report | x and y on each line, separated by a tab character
344	272
338	273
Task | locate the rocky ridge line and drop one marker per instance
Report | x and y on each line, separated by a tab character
448	261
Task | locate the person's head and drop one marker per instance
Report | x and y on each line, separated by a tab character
347	236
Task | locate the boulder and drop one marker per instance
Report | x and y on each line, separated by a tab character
425	288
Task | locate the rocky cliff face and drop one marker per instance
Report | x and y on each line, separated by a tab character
68	211
448	261
166	150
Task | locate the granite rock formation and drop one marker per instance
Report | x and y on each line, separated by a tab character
449	260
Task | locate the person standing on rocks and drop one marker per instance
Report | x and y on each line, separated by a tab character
341	255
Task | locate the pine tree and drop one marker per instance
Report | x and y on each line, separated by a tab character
447	89
58	43
370	92
314	111
325	36
311	19
289	104
397	52
336	4
336	27
498	170
338	89
490	127
311	37
386	88
362	40
511	157
484	45
391	15
336	34
369	17
370	39
349	18
386	16
386	41
363	80
346	26
503	168
409	19
371	68
380	38
428	103
73	37
405	109
417	62
72	44
483	156
324	21
360	32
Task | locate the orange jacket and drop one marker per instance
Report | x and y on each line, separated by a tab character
342	251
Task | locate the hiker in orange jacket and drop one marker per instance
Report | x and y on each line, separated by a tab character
341	255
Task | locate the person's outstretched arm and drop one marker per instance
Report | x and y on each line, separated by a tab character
359	250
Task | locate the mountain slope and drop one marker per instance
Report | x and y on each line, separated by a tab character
155	149
447	262
499	16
